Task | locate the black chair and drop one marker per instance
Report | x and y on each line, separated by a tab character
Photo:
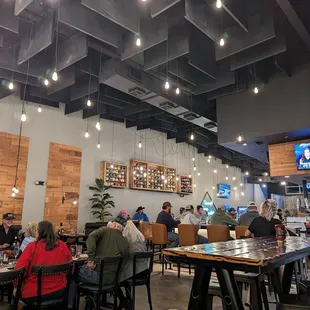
142	278
90	227
294	302
96	292
8	278
46	271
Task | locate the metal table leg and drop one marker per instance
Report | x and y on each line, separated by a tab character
199	292
230	292
287	278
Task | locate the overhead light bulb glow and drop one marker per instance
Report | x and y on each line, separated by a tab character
140	145
195	185
259	180
247	173
177	178
210	157
75	202
11	86
213	187
234	178
256	90
189	176
226	178
222	42
227	166
39	109
195	168
88	103
193	159
244	144
241	184
287	176
264	185
13	194
266	174
98	146
219	4
242	193
138	41
177	91
215	171
209	160
46	82
235	188
217	194
86	134
239	139
23	117
15	190
198	174
192	137
167	85
98	127
283	183
55	76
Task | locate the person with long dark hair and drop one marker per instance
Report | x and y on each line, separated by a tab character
46	250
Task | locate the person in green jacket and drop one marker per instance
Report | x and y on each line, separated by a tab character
105	242
221	218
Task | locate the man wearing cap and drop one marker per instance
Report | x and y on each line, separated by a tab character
7	233
190	218
247	218
164	217
221	218
140	215
104	242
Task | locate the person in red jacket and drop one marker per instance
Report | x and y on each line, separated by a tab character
46	250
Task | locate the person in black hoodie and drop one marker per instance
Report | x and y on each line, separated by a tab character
164	217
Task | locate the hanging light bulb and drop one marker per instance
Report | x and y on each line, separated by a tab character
177	91
226	178
227	166
192	137
190	176
86	134
260	180
242	193
235	188
241	184
98	127
39	109
98	145
46	82
74	202
193	159
247	173
55	76
217	194
264	186
23	117
138	41
177	178
140	145
234	178
213	187
11	86
198	174
222	42
215	171
209	160
195	185
219	4
195	168
88	103
256	90
167	85
239	139
15	190
13	194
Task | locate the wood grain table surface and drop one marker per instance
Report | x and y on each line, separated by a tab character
254	252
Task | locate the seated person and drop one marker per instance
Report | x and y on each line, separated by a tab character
164	217
247	218
140	215
232	213
30	235
8	234
264	225
136	244
201	214
104	242
190	218
221	218
47	250
124	214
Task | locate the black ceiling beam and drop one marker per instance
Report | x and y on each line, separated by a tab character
138	122
82	89
19	77
295	21
30	98
282	63
4	92
77	16
7	19
121	96
61	96
162	124
138	108
160	6
21	5
153	112
237	9
122	12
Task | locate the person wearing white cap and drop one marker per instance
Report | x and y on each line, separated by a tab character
247	218
190	218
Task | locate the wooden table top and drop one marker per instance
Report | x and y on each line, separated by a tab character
252	252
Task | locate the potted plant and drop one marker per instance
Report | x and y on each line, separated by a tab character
101	200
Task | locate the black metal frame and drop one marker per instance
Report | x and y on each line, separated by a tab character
51	270
103	261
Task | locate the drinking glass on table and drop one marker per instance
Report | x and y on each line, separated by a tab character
16	251
1	258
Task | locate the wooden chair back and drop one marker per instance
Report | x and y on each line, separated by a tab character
146	229
188	234
240	231
159	234
218	233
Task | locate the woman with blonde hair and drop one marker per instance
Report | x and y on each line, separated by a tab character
30	235
264	225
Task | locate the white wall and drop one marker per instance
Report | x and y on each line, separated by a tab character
52	126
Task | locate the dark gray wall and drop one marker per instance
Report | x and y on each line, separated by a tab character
282	106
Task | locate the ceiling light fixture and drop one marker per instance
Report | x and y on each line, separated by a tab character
86	134
55	76
213	187
226	178
195	168
260	180
39	109
98	127
88	102
11	86
198	174
247	173
287	176
193	159
209	160
177	91
264	185
215	171
140	145
244	144
256	90
234	178
242	193
23	118
266	174
46	82
138	41
98	145
283	183
239	139
227	166
167	85
241	184
222	42
192	137
219	4
189	176
13	194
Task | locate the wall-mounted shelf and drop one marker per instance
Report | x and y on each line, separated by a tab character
185	185
114	174
153	177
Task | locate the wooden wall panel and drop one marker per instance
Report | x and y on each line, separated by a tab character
282	159
63	180
8	156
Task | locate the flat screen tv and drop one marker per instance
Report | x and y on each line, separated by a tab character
302	156
224	191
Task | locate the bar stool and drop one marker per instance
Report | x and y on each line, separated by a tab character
159	239
294	302
188	235
214	290
146	230
240	231
218	233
